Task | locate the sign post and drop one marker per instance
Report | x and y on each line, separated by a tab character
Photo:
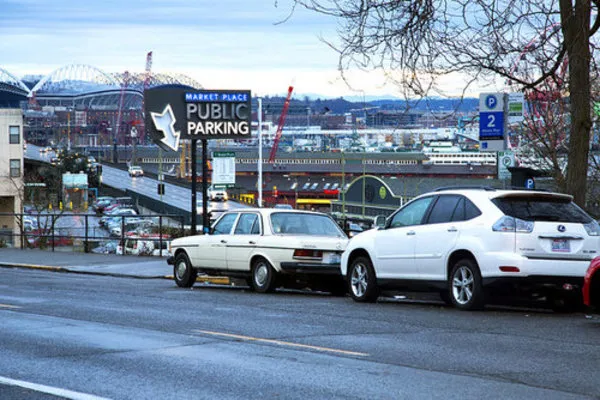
174	113
492	122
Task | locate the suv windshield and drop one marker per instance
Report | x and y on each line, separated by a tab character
534	208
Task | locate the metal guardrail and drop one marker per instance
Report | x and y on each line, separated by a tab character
84	232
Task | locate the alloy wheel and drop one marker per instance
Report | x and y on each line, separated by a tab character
463	285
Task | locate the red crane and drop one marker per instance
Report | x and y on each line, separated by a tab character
286	106
146	86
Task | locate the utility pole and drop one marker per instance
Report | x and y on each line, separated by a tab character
260	156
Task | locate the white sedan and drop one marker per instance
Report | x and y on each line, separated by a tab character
268	247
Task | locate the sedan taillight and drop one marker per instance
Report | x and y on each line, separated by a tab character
308	254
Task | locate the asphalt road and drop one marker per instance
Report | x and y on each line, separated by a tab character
124	338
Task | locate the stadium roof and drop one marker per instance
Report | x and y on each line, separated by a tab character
80	84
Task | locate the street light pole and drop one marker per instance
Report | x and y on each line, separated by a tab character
260	156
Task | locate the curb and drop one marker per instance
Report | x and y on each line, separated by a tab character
207	279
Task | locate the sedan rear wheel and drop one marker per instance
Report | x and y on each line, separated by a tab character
465	287
362	282
183	272
263	276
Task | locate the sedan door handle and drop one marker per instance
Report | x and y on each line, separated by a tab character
452	229
223	241
252	242
410	233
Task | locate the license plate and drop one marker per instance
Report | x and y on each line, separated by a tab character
561	245
331	258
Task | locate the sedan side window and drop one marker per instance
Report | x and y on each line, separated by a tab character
411	214
246	225
223	227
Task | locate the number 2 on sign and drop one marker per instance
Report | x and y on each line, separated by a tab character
491	121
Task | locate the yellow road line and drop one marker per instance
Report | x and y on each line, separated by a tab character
8	306
217	280
282	343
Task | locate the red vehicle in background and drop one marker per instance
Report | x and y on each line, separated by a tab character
591	285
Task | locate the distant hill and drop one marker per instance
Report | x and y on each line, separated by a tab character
341	105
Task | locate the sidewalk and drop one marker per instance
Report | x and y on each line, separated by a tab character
93	264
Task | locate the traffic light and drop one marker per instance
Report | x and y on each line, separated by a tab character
161	189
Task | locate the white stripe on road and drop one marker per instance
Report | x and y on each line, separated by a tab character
67	394
8	306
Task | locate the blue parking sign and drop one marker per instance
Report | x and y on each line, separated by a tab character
530	183
491	125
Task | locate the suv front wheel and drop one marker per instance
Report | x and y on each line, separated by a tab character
465	287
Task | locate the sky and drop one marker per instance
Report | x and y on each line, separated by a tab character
223	44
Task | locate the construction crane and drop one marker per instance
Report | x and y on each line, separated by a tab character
286	106
147	79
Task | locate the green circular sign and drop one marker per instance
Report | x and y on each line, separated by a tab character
382	192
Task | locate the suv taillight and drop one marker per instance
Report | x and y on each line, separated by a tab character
592	228
512	224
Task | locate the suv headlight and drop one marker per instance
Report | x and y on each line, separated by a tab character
592	228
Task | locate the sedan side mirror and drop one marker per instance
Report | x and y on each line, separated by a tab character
380	221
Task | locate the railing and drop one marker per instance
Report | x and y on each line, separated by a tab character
131	234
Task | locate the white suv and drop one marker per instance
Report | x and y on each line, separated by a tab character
464	242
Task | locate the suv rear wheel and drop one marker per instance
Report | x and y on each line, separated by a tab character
465	287
362	282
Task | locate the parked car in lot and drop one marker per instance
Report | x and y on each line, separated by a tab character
591	285
466	243
267	247
136	170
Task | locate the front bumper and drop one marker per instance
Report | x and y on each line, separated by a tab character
311	269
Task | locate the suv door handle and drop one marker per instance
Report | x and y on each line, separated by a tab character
452	229
252	242
223	241
410	233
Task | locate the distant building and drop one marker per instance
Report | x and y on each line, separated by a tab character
11	173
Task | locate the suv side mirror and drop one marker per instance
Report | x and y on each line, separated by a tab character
380	221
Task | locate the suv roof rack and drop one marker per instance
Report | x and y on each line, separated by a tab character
472	187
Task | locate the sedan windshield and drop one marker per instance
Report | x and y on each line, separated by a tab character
305	224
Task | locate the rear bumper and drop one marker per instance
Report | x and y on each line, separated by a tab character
171	260
311	269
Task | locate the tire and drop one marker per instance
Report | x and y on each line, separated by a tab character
465	287
263	276
183	272
362	282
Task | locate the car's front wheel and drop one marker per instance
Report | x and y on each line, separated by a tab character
263	276
362	282
465	285
183	272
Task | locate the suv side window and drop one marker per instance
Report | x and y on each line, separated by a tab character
465	210
223	227
443	209
411	214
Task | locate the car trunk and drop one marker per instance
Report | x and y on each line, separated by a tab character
554	226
